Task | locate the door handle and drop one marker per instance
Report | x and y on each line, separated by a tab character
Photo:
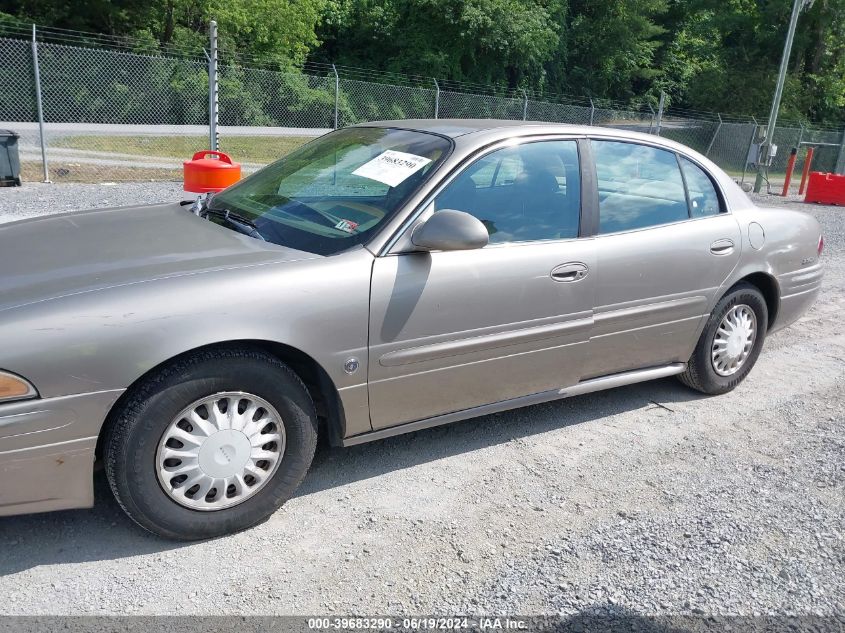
571	271
724	246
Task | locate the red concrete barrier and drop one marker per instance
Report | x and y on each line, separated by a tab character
826	189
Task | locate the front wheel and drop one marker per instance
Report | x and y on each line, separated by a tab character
730	343
212	444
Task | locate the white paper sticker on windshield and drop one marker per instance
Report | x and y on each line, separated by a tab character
391	167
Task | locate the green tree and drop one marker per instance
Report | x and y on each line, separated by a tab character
489	41
819	59
277	31
716	55
724	56
608	48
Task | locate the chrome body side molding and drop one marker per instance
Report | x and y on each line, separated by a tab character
586	386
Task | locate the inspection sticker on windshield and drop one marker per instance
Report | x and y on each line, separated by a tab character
347	225
392	167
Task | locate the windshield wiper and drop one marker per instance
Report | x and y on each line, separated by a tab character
240	223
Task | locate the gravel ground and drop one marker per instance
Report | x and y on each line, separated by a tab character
32	199
644	500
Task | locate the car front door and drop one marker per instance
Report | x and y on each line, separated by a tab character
664	245
454	330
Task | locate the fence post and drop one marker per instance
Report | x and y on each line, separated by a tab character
524	106
592	111
754	127
436	98
715	134
336	94
213	88
660	111
651	123
840	160
36	71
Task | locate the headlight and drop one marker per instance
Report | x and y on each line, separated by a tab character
15	388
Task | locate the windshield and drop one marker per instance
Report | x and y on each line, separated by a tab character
334	192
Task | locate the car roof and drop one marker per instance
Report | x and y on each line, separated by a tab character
471	130
460	127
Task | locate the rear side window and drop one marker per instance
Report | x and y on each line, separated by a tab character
703	199
639	186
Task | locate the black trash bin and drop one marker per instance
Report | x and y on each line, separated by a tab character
10	162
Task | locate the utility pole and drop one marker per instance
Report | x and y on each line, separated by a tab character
763	154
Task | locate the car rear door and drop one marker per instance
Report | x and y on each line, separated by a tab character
450	331
664	246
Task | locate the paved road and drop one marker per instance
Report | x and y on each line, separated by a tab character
30	148
61	156
103	129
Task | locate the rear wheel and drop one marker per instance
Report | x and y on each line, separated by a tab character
730	343
212	444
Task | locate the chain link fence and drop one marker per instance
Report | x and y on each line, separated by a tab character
561	112
113	113
17	100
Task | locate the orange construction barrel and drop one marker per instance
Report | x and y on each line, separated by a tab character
210	172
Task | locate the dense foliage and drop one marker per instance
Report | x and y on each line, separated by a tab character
715	55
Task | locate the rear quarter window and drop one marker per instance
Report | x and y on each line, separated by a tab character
639	186
703	198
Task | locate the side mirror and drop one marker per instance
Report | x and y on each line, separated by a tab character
449	230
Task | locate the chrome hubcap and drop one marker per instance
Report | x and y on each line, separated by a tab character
734	340
220	450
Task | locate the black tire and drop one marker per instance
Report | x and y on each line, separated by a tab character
132	439
700	374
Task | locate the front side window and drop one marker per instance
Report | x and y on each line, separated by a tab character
703	199
639	186
334	192
527	192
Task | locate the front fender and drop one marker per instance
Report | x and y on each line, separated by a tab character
107	339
